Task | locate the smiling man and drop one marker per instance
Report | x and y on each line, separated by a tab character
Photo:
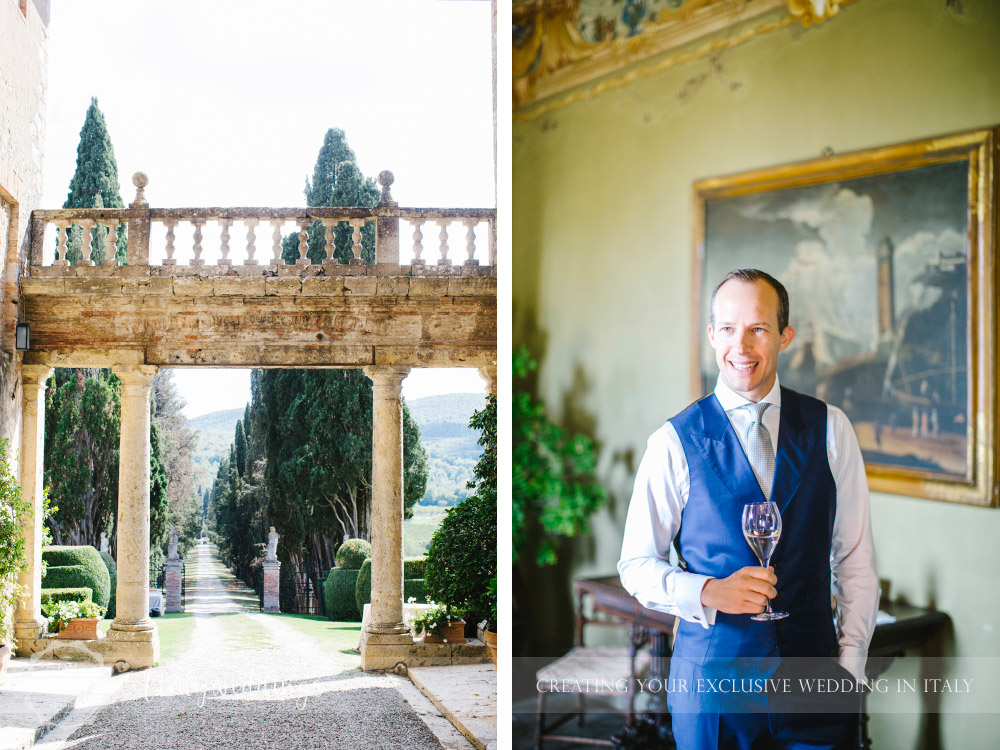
751	441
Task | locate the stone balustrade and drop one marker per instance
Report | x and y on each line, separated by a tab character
248	241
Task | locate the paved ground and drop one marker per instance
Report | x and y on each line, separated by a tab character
254	682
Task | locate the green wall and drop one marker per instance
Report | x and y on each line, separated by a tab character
603	266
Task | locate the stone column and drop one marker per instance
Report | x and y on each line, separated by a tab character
28	624
132	626
387	506
489	374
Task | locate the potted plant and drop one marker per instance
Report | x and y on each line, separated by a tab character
441	624
77	619
12	557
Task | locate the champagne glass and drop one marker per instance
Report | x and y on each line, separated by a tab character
762	529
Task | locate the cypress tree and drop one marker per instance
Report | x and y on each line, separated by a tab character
240	449
336	181
95	185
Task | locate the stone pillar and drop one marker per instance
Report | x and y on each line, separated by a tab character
489	374
132	626
386	627
28	624
137	253
272	578
386	229
173	573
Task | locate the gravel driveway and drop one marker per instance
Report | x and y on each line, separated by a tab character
277	692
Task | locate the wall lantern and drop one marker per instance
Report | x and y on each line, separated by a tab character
23	338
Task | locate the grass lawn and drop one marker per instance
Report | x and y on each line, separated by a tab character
335	638
417	531
176	634
240	632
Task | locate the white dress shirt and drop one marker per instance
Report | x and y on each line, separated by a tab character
662	486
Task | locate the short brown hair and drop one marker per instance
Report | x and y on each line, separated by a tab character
750	276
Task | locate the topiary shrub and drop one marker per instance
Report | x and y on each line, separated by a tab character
352	554
414	567
52	596
339	592
363	588
462	557
416	589
412	587
75	567
109	563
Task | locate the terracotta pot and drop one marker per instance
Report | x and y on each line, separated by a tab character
491	640
81	628
454	633
4	656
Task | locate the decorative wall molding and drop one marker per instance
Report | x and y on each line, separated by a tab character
562	45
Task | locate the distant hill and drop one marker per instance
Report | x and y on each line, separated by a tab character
215	433
451	446
454	408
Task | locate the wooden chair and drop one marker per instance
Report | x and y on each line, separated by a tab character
609	665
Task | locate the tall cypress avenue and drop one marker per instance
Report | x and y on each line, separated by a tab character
95	185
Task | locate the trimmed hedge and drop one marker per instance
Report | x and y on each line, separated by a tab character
363	588
352	554
462	558
338	592
414	567
414	587
77	567
109	563
51	596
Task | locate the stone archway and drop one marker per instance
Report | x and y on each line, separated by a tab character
136	319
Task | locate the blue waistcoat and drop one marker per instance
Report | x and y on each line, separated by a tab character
710	541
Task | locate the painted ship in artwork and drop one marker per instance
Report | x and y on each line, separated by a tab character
908	399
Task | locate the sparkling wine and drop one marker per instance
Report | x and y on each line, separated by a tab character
761	529
762	543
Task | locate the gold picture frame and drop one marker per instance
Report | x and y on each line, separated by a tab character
888	257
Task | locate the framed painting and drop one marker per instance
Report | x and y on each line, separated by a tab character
888	258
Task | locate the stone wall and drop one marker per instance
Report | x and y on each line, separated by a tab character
23	37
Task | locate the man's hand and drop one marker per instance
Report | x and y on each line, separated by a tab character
745	592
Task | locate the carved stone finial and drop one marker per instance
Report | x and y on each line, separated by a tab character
140	180
385	179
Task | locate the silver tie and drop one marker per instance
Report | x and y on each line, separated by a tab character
760	451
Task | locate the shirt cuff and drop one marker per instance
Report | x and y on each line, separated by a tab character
687	596
854	660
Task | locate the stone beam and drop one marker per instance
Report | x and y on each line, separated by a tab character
263	322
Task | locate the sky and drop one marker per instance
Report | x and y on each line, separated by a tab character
225	103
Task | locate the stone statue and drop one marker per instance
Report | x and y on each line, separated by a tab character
104	542
272	546
172	544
